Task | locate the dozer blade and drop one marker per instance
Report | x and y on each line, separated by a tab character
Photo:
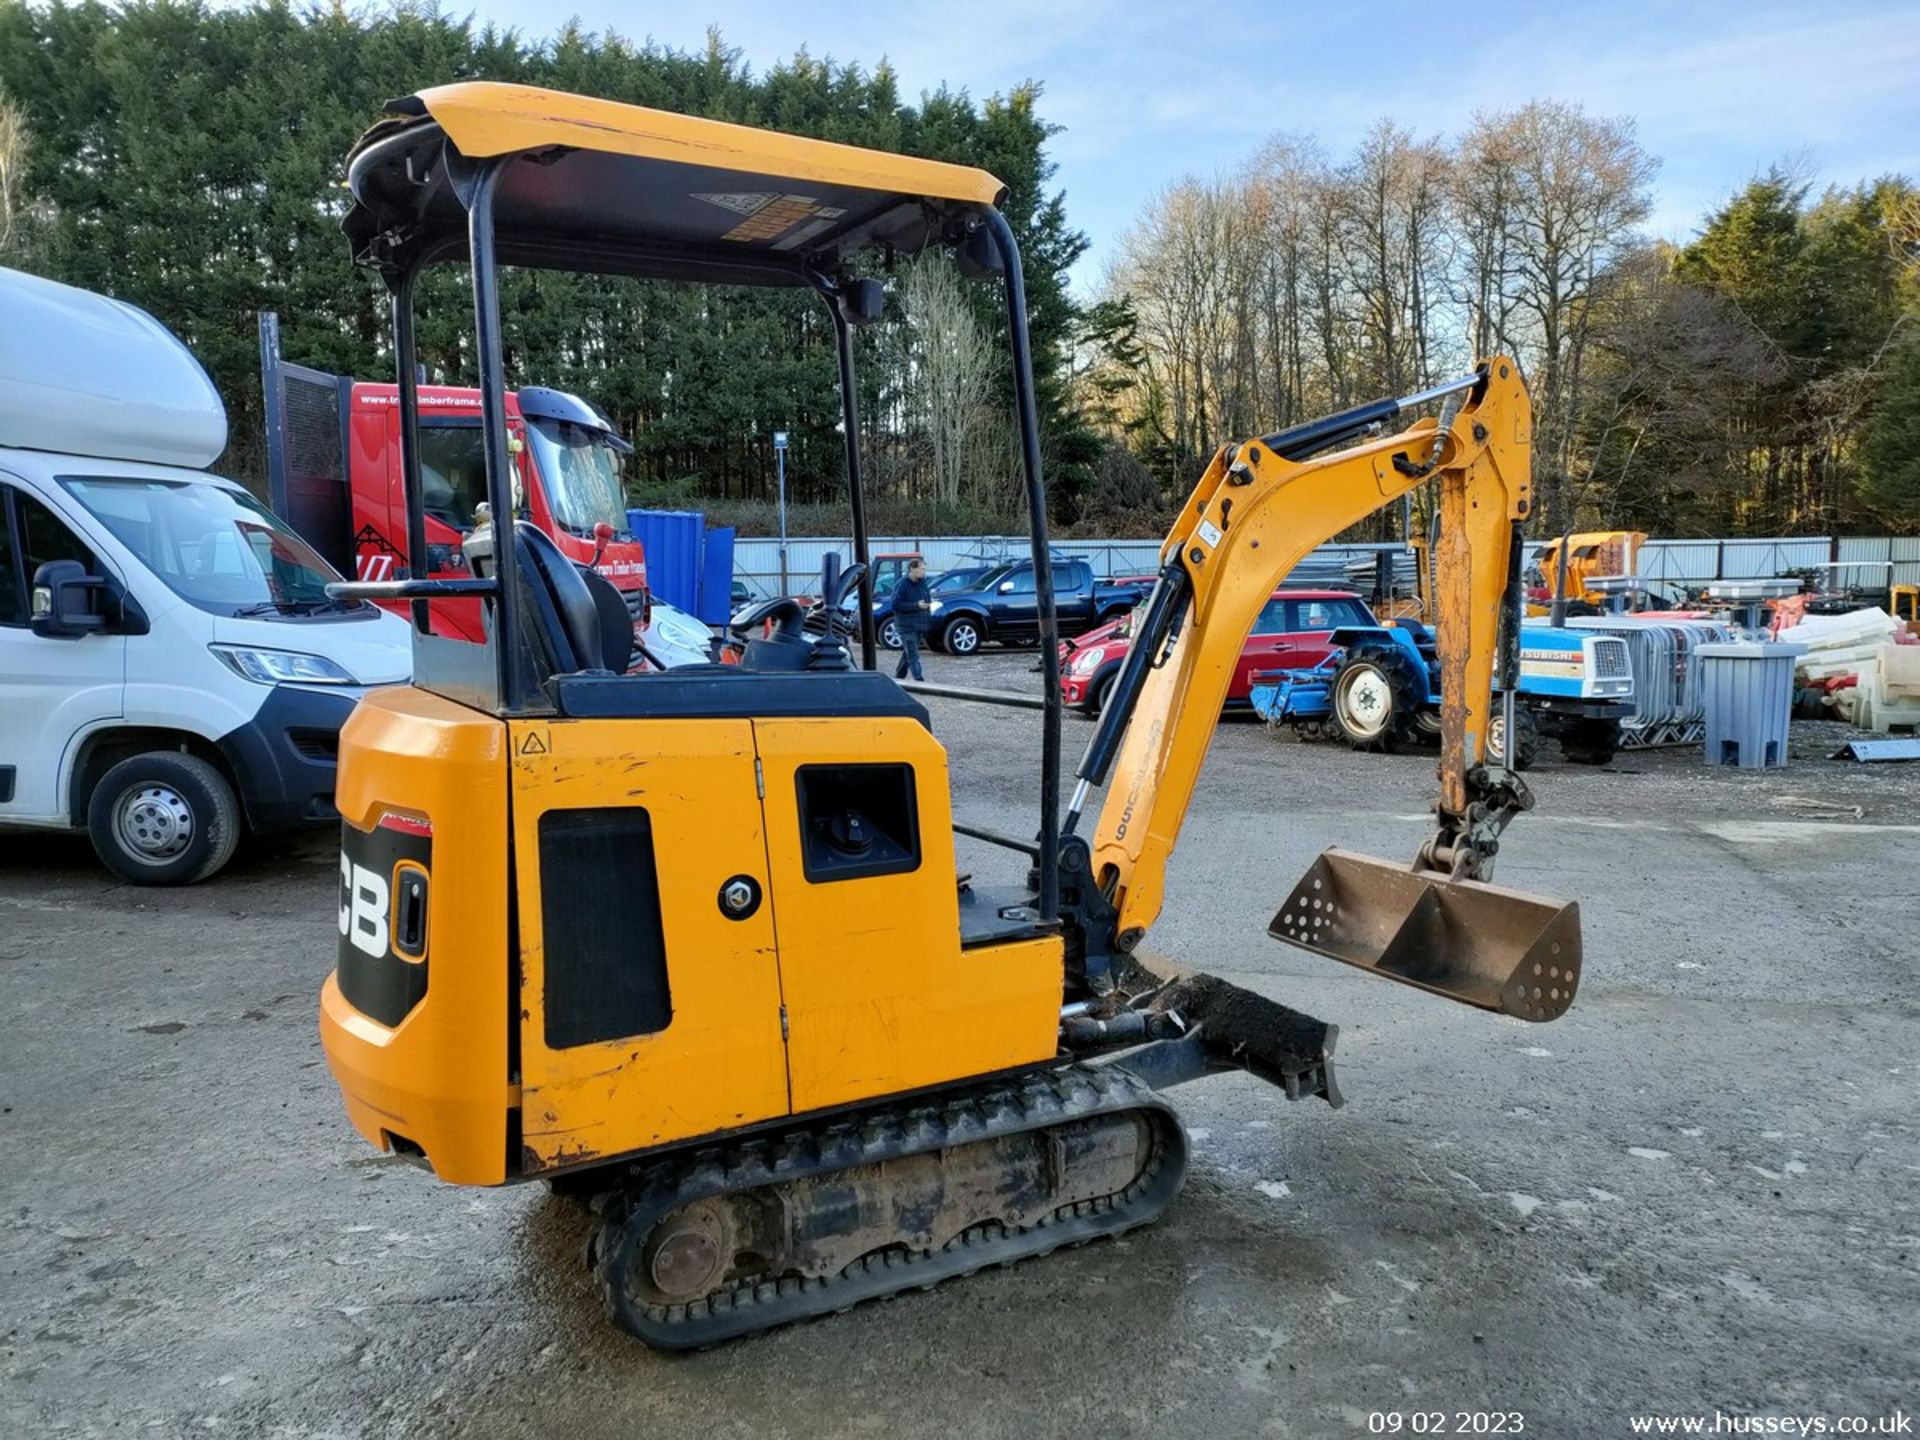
1470	941
1228	1028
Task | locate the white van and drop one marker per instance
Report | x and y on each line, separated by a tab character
171	668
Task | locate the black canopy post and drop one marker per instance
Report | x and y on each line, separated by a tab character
479	195
856	495
407	370
1028	415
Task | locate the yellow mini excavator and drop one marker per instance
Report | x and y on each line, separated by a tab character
695	940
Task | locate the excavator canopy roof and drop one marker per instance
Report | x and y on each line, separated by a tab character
622	189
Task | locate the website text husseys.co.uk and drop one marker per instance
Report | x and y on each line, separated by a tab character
1721	1423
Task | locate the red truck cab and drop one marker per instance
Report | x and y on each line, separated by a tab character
566	460
333	470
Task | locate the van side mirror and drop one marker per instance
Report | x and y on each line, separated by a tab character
64	607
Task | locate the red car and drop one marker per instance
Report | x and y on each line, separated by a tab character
1291	633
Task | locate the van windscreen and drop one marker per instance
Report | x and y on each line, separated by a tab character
214	547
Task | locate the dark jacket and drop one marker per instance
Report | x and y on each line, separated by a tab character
910	599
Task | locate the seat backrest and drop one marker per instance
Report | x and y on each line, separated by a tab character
573	607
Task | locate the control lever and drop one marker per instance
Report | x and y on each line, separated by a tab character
787	615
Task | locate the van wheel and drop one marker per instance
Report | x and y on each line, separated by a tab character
163	818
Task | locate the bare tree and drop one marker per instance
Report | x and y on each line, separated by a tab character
1286	175
951	364
1389	199
14	140
1294	286
1561	194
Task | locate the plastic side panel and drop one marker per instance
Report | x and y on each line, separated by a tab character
439	1078
879	996
1551	661
718	1063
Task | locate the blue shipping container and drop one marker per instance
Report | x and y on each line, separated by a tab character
672	541
688	566
716	576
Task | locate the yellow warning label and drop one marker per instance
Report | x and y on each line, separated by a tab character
768	217
535	743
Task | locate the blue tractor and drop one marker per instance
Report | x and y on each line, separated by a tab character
1380	690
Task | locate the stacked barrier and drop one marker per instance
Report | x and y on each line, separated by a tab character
1668	693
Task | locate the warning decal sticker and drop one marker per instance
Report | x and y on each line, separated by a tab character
770	216
742	202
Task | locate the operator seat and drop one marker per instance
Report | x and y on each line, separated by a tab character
582	622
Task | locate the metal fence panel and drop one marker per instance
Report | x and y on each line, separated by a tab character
1756	559
1674	562
1864	549
1680	561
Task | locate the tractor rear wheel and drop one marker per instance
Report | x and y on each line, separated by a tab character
1590	742
1377	696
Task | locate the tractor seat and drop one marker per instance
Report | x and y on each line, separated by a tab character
579	617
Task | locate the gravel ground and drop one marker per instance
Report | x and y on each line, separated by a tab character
1694	1192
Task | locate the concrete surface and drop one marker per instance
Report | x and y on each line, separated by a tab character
1696	1191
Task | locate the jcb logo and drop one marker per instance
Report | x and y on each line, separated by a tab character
364	902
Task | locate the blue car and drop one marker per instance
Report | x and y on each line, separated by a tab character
999	604
950	581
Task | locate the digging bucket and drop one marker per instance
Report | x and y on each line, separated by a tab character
1470	941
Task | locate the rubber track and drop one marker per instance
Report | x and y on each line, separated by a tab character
1050	1098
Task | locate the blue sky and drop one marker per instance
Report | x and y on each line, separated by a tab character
1149	92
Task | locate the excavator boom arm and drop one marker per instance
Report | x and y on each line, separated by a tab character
1260	507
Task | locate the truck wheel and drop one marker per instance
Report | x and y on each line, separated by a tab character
961	636
1590	742
163	818
1528	748
890	633
1377	697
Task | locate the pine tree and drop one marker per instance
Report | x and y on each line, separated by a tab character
1890	448
191	161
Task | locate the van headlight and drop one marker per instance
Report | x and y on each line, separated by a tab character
281	667
686	634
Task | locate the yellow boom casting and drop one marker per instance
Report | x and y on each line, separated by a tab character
696	940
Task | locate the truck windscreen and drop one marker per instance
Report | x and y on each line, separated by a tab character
582	476
216	548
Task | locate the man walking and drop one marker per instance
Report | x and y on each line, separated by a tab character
912	607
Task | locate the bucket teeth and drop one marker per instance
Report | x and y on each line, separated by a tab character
1477	943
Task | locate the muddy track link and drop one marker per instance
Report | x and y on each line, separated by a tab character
1048	1113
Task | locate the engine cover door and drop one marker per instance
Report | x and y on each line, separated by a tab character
648	979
